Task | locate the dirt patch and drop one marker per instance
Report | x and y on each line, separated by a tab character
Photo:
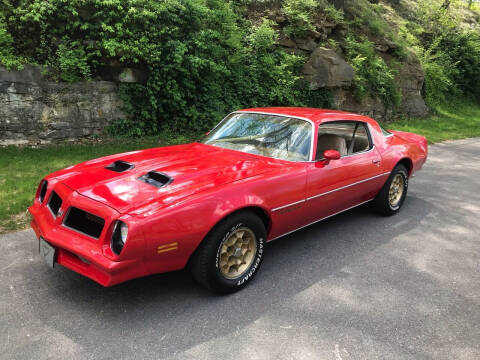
16	222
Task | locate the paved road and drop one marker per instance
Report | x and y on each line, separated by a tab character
356	286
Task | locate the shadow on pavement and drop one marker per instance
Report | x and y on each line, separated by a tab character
168	313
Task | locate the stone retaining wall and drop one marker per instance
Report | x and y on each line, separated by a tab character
33	110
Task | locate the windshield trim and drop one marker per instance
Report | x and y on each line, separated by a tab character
275	114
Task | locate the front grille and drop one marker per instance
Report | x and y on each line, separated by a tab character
54	203
84	222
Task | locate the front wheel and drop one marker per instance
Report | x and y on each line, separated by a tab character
392	196
231	254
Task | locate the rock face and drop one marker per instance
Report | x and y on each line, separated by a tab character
35	110
411	78
372	107
130	75
325	68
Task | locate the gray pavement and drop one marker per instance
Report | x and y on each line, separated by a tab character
356	286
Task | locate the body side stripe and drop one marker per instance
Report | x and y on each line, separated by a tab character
329	192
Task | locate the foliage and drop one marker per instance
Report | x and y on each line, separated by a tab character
334	14
300	16
439	71
7	55
204	58
370	15
463	54
437	83
372	74
332	44
450	54
71	60
189	93
321	98
270	75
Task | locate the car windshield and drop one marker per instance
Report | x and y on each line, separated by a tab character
275	136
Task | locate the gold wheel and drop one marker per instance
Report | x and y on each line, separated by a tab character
397	187
237	253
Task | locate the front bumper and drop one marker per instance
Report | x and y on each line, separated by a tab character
79	252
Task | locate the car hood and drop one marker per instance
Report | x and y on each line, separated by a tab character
192	168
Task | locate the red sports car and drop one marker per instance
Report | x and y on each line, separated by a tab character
212	205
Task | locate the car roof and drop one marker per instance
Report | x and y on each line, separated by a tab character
317	116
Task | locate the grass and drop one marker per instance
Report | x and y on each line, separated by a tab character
21	169
450	122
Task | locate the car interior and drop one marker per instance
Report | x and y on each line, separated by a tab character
345	137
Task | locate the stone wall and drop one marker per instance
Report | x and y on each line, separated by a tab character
33	110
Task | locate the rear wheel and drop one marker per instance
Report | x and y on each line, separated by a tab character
392	196
231	254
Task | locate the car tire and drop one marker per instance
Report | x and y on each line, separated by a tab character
392	196
231	254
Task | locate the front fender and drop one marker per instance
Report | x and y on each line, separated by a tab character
174	233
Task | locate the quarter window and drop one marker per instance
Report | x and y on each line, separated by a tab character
385	132
347	137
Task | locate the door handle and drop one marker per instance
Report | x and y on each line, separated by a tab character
376	161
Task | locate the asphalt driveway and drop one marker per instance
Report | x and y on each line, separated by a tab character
356	286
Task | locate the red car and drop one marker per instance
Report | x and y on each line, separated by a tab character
212	205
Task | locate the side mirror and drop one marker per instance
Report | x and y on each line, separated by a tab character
331	155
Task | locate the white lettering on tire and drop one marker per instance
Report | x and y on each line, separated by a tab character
255	266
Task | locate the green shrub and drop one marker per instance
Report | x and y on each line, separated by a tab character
334	14
464	53
263	37
437	82
71	62
300	16
204	74
321	98
373	76
8	58
369	15
449	53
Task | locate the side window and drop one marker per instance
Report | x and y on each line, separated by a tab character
347	137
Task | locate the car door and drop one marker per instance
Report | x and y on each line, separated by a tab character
355	178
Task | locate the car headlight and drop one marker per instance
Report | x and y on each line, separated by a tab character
119	237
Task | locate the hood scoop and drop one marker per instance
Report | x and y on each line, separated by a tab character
156	179
120	166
